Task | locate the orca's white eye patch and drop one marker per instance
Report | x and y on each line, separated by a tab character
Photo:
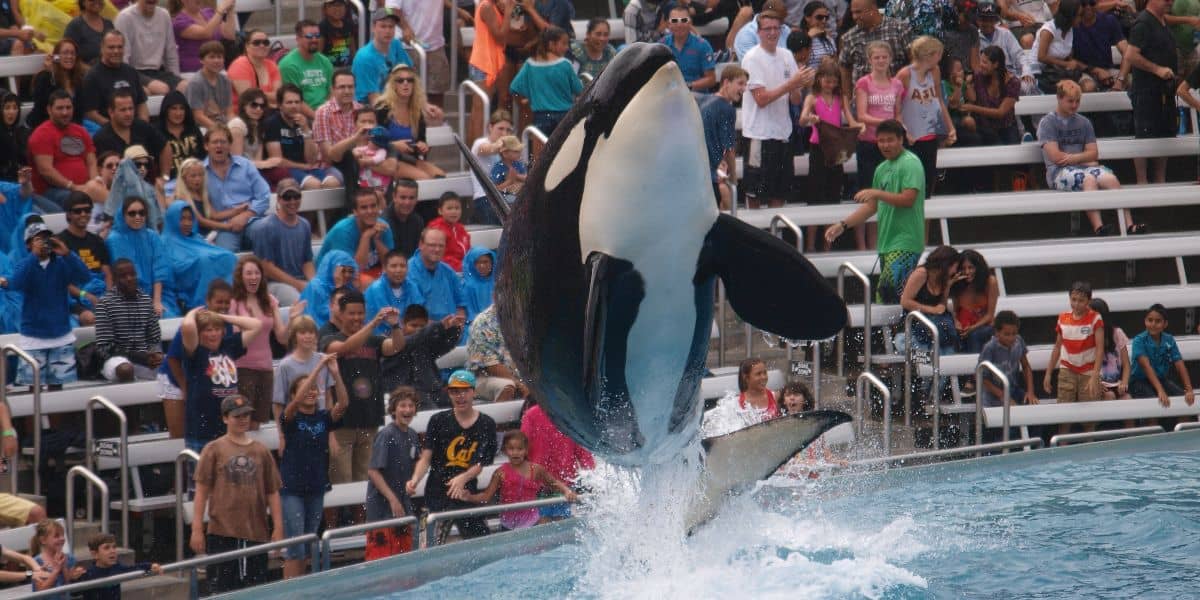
568	156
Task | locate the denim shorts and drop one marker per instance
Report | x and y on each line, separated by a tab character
475	74
57	366
301	515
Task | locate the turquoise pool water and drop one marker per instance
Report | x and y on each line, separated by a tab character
1109	520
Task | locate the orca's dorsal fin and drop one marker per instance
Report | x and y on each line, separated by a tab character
489	187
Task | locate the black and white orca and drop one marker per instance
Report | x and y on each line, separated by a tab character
609	259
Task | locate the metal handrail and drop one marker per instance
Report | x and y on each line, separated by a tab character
777	222
433	518
586	78
278	16
181	491
935	394
93	480
841	291
1035	442
1090	436
1190	425
1007	402
65	591
340	532
860	404
14	461
423	70
363	18
37	412
721	339
192	564
464	88
532	133
91	462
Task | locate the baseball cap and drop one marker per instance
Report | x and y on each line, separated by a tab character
988	10
136	151
236	405
384	13
287	185
461	378
35	228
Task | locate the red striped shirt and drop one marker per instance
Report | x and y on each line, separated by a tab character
1079	340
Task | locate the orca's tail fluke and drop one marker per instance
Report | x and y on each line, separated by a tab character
489	187
735	461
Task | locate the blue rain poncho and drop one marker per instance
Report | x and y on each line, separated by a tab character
149	255
194	262
10	301
316	294
476	289
380	294
126	183
14	207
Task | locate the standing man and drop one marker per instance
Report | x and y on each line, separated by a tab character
306	67
374	61
775	81
111	73
236	191
870	25
150	46
283	240
1151	57
719	118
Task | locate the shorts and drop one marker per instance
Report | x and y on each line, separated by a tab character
146	76
388	541
301	515
353	457
555	511
894	269
14	510
140	372
258	386
234	574
1154	113
489	388
437	71
1070	178
57	366
476	74
769	169
166	389
320	174
1073	387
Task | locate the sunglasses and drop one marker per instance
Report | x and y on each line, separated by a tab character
260	42
135	214
821	17
81	210
290	197
142	164
681	19
110	166
404	79
312	36
258	105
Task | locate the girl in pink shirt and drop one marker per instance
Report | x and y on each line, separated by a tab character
519	480
256	373
877	96
824	103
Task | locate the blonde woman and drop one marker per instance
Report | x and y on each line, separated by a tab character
192	187
402	110
922	106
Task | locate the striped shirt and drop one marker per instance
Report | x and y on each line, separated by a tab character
127	325
1078	340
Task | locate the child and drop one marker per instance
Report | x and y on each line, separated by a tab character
798	398
1030	67
301	360
509	173
171	379
754	396
954	83
519	480
1008	352
374	170
1115	369
393	456
103	547
57	567
210	373
339	34
1154	352
825	103
478	284
236	481
393	289
923	107
1079	332
416	364
547	81
878	96
304	467
487	151
449	221
208	91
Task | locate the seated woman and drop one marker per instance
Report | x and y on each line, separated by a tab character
401	109
87	30
131	238
254	69
992	100
195	24
178	126
66	73
926	291
593	53
14	137
194	262
973	299
337	270
1054	45
247	131
131	180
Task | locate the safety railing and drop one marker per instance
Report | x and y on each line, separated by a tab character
465	89
1006	420
66	591
423	68
528	135
364	18
93	481
586	78
860	403
433	519
1112	434
181	461
841	340
1190	425
37	414
192	564
90	458
341	532
935	391
980	448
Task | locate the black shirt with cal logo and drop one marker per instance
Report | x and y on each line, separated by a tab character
456	449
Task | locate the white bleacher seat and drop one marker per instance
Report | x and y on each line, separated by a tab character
719	27
457	357
319	201
154	105
616	29
17	538
485	236
439	135
432	189
14	67
1088	412
75	399
1039	356
1089	103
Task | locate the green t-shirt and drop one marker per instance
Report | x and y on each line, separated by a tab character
901	228
313	76
1183	33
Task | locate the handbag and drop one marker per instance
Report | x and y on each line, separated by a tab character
837	143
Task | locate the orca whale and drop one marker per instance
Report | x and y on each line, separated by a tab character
608	264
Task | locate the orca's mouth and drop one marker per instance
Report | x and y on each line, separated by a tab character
620	81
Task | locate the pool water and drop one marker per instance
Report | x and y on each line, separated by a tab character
1108	520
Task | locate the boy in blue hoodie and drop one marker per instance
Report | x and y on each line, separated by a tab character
478	283
43	278
393	289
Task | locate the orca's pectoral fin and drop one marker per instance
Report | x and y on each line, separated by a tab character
593	320
489	187
735	461
769	283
